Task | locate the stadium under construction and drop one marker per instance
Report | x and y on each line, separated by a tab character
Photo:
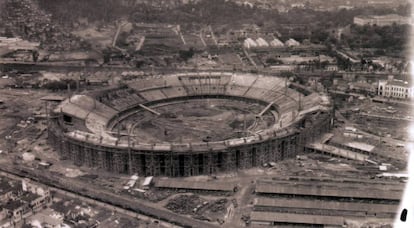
186	124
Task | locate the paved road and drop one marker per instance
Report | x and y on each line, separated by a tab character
243	197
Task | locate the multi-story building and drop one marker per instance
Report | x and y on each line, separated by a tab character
6	190
19	201
381	20
395	89
17	210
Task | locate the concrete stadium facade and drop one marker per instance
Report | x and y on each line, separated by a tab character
83	127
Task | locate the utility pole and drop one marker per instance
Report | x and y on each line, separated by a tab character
244	125
129	154
286	85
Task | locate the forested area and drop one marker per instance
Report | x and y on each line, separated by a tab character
299	23
383	37
205	12
95	10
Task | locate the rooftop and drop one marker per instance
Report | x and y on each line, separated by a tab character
13	205
297	218
29	197
191	185
398	83
5	186
387	16
361	146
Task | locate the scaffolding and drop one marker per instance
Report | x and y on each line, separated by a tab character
188	160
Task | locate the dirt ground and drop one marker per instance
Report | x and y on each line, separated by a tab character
17	122
396	129
99	36
200	120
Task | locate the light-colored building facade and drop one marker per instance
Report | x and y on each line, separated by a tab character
381	20
395	89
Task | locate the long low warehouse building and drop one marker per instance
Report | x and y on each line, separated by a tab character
305	189
356	185
196	186
274	218
339	180
263	203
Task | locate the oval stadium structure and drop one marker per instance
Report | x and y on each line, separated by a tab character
187	124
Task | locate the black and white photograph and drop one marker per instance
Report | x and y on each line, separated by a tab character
206	113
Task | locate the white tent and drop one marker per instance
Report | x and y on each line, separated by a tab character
249	43
276	43
261	42
291	43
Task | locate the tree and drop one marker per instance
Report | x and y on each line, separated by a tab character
8	33
185	55
286	74
324	64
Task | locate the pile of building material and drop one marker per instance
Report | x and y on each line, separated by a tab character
219	205
184	204
131	182
156	195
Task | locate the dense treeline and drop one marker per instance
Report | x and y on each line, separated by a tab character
203	12
227	12
216	12
383	37
317	26
95	10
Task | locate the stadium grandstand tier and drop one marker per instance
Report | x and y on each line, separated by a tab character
184	124
173	92
148	83
254	93
120	99
236	90
153	95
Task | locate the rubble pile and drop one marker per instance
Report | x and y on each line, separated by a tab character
219	206
184	204
24	19
157	195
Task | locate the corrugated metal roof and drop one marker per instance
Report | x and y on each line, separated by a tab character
297	188
193	185
297	218
326	205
